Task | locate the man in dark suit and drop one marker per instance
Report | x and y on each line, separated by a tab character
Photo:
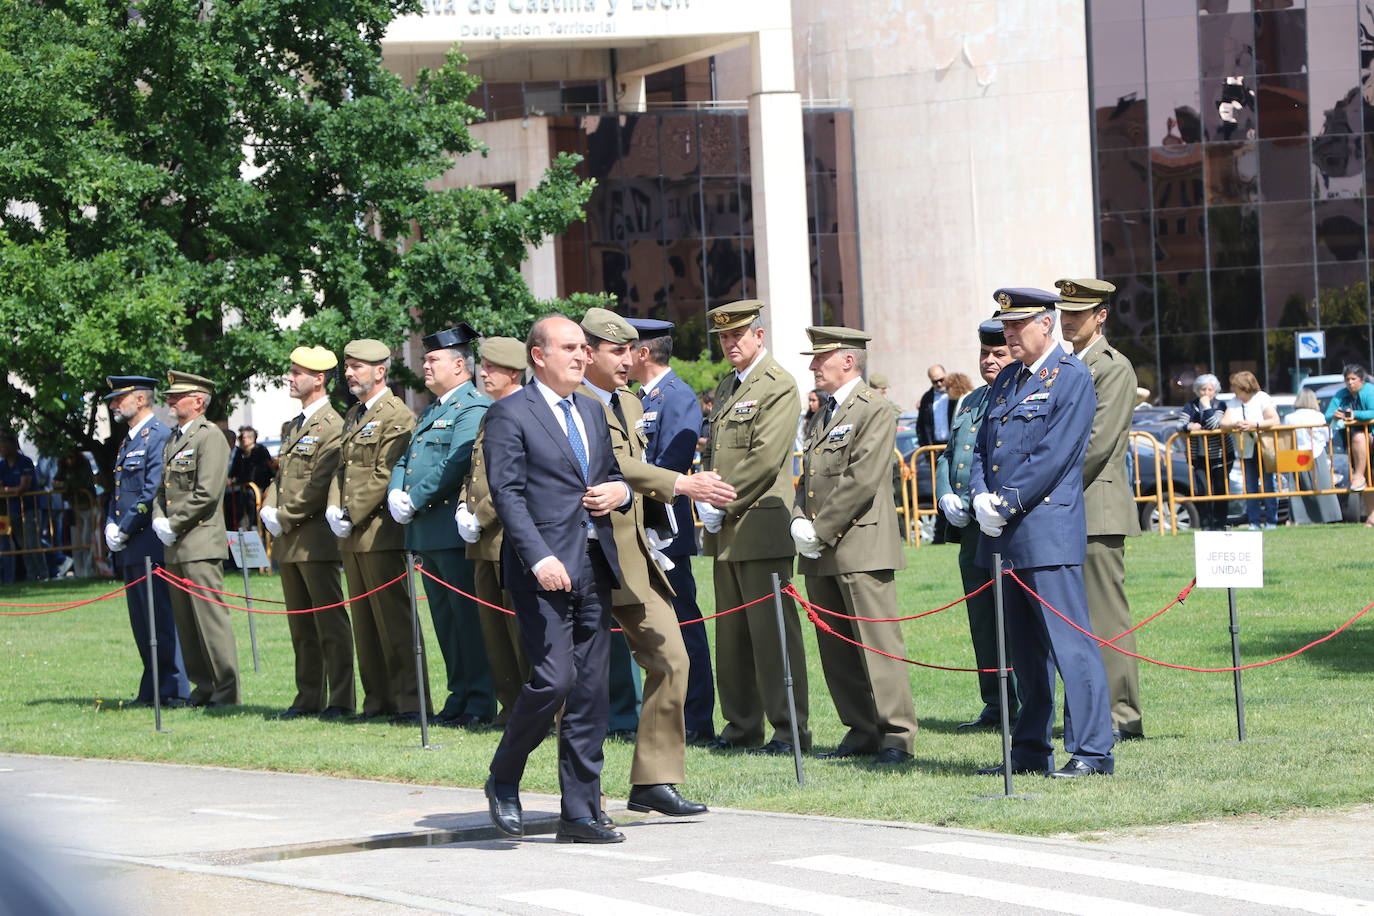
249	462
1027	486
138	471
672	421
933	415
554	481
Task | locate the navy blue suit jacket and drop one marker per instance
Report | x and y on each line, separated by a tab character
672	424
138	471
1030	452
537	487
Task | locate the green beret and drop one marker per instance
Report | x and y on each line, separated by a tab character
506	352
367	350
607	325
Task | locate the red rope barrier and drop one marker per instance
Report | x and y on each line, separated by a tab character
840	614
185	585
215	591
1154	661
67	607
1182	596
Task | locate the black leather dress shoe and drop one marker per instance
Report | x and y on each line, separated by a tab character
406	718
175	702
699	738
332	713
587	830
290	712
772	749
604	820
892	757
1127	736
720	743
1016	771
505	812
663	798
841	752
1076	768
627	735
983	721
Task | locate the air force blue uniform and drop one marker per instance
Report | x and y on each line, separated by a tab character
1029	453
138	471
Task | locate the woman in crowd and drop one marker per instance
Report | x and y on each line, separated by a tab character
1211	456
957	385
1254	413
1311	435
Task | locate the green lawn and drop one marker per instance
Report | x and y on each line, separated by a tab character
1310	719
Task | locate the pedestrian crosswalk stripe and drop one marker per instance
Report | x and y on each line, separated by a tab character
779	895
970	886
1248	891
86	799
599	853
581	903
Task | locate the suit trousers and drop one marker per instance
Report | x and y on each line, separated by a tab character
501	636
1042	642
382	633
700	709
982	628
206	634
322	640
655	640
748	654
565	638
872	693
171	670
1104	579
458	630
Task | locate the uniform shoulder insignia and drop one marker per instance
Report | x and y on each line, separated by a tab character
145	432
771	372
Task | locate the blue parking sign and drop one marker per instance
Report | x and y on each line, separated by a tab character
1310	344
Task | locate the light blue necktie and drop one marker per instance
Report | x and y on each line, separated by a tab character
575	437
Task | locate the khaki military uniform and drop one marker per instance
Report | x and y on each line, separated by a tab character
308	555
643	604
845	467
510	669
1111	516
373	553
753	429
191	498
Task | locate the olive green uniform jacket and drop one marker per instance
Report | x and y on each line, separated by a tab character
373	440
308	460
191	495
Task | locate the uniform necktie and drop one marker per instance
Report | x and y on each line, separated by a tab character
619	414
1022	376
298	422
176	436
575	438
829	412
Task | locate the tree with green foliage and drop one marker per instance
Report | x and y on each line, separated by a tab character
204	186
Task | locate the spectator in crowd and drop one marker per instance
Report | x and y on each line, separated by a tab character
249	462
1354	405
932	427
78	485
708	404
813	404
957	385
1312	436
1211	453
16	479
52	510
1254	412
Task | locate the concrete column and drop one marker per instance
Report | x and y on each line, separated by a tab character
777	166
633	96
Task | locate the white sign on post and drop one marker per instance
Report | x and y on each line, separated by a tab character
247	550
1229	559
1310	344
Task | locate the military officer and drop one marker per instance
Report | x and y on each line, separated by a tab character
304	548
879	383
753	428
1027	485
502	369
424	498
138	471
845	528
672	422
1107	498
376	432
952	491
188	518
642	605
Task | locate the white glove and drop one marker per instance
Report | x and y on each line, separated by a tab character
985	508
953	508
337	523
163	529
115	539
711	517
402	509
269	520
804	536
468	529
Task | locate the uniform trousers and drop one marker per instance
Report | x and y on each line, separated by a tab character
1042	642
382	633
171	670
501	636
206	634
872	693
700	709
565	635
749	654
1104	579
656	642
322	640
982	628
458	630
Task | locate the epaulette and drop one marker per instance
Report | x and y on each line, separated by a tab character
771	372
864	393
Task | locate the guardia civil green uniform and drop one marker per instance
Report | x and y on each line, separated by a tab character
1109	505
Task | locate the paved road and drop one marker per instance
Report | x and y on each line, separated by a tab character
151	838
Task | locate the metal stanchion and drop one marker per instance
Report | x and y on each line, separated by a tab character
419	653
787	682
1003	677
248	599
152	644
1235	663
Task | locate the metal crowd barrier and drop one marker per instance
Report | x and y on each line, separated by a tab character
31	517
921	461
1140	443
